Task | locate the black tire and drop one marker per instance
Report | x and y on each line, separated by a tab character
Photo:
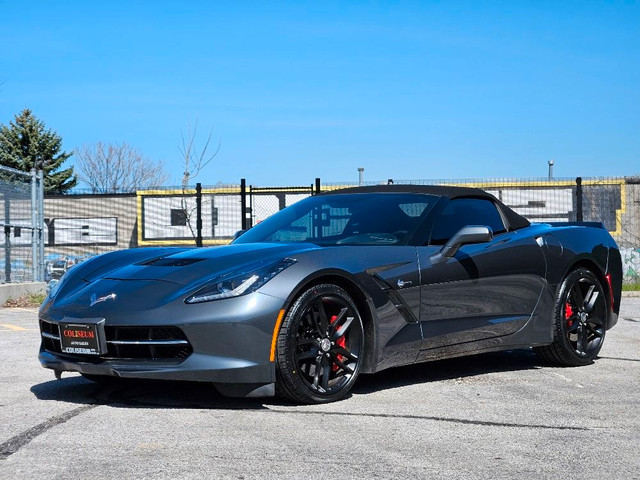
320	346
580	316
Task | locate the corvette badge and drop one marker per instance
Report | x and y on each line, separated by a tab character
95	299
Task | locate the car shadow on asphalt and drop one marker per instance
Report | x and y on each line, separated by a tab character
136	393
129	393
454	368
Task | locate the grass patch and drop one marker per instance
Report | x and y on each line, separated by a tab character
631	287
29	300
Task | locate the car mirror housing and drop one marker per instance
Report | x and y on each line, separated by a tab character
238	234
465	236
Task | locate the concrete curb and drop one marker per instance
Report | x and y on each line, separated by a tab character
16	290
631	294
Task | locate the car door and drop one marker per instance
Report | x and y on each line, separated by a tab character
486	290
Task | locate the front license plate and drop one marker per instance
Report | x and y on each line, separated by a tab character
80	338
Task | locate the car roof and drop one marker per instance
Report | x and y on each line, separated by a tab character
515	220
437	190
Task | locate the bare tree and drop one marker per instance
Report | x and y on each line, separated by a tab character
112	168
194	158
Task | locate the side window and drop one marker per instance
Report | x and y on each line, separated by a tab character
462	212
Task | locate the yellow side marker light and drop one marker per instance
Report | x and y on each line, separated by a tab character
274	339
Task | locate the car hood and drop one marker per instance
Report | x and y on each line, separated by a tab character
194	265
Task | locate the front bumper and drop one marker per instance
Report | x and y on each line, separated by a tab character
231	342
197	367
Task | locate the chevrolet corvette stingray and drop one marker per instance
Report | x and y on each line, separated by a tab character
341	283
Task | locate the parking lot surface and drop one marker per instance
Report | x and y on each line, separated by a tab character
501	415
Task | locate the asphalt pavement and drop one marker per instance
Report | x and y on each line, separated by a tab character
501	415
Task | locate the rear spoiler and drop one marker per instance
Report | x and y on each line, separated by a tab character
577	224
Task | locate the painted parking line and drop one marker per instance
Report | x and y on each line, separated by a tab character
16	328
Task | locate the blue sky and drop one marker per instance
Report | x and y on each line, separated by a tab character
295	90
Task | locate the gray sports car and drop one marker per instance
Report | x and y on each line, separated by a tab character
347	282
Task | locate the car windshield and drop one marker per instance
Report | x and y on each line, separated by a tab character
345	219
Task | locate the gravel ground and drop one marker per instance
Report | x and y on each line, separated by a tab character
501	415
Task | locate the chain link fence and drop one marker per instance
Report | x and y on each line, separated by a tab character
265	201
614	201
80	225
190	216
21	242
544	200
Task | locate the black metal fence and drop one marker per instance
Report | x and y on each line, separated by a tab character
81	225
21	234
263	202
545	200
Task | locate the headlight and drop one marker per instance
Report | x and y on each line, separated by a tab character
52	287
236	284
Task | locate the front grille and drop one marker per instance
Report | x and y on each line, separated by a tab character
148	343
50	336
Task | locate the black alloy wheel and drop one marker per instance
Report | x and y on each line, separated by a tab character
581	310
320	346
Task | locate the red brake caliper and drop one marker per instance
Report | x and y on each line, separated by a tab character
341	342
568	312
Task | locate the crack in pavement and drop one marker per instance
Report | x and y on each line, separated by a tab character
434	418
14	444
622	359
133	402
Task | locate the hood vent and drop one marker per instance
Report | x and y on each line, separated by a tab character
170	262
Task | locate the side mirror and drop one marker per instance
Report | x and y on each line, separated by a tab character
465	236
238	234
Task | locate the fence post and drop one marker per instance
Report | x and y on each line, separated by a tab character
198	214
243	204
317	185
579	215
40	192
7	251
34	226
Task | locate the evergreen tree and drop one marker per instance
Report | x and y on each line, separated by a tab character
25	144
